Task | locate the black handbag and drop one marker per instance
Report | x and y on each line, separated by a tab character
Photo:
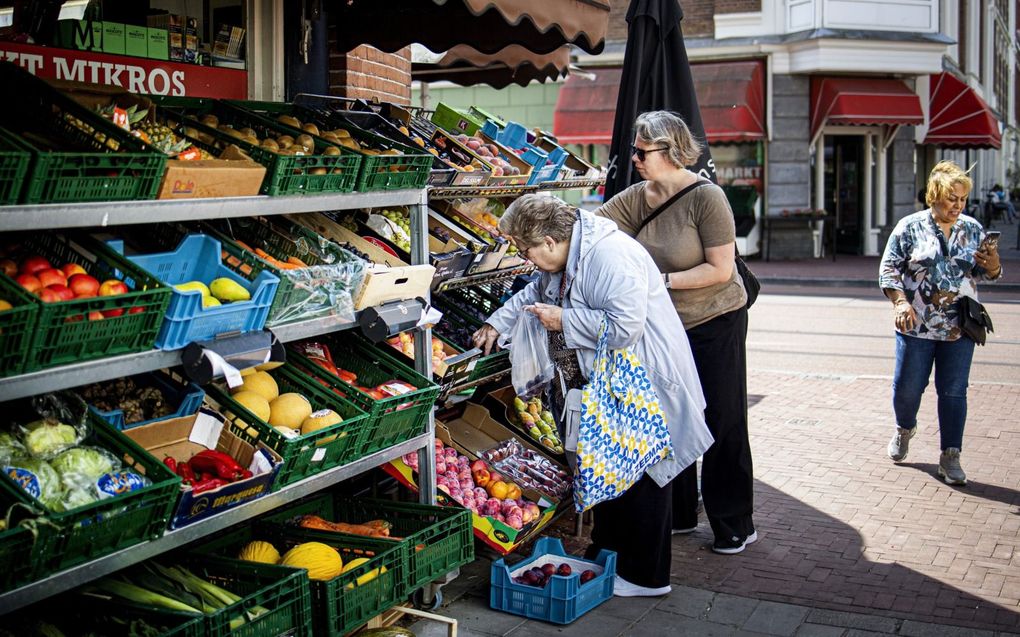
751	283
974	320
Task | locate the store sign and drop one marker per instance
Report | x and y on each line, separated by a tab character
137	75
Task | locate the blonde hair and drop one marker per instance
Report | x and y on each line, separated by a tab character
669	129
945	176
531	218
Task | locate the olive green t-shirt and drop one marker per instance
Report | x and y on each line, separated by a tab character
677	239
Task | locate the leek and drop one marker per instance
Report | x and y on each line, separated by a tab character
140	595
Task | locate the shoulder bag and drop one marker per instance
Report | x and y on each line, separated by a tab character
751	283
974	320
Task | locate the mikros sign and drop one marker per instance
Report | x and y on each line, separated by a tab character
137	75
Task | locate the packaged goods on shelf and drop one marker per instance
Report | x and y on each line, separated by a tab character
310	427
456	120
209	298
559	597
94	490
77	155
317	277
185	438
143	399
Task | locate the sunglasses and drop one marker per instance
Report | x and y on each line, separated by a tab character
641	152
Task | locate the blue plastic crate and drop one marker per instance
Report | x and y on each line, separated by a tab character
197	258
188	398
564	598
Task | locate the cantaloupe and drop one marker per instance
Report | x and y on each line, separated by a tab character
321	560
289	410
261	383
254	403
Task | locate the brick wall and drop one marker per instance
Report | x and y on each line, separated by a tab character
698	14
366	72
698	21
789	163
617	20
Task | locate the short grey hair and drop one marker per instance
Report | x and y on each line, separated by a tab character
668	129
532	217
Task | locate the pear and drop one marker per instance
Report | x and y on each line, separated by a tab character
228	290
193	285
210	301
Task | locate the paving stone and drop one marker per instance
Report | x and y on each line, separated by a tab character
773	618
817	630
631	608
922	629
474	614
426	628
874	623
730	609
662	624
589	625
686	601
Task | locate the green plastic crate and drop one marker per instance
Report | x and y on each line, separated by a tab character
93	160
15	157
458	324
310	453
17	326
391	420
285	175
69	538
16	542
283	239
64	334
378	172
437	539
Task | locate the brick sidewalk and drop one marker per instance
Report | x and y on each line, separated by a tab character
843	528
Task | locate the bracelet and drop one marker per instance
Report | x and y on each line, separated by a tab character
665	280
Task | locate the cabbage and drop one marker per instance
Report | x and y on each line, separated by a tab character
84	464
47	437
76	497
9	447
37	478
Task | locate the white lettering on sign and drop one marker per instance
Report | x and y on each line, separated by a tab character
27	61
730	173
76	73
156	81
177	77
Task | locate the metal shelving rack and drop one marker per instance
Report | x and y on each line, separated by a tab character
85	215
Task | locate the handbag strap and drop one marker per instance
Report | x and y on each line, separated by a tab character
669	202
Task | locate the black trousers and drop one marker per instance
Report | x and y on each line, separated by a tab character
637	526
727	476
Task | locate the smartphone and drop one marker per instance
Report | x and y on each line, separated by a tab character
991	239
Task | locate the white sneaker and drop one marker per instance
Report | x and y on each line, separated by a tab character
623	588
735	545
900	443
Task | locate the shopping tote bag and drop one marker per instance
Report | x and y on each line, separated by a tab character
622	429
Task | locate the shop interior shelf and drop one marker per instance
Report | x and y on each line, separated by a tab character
89	571
113	213
120	366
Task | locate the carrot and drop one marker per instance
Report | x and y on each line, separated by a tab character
296	261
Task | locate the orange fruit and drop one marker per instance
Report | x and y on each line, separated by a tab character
513	491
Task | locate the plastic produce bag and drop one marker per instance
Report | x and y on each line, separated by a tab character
51	423
320	290
531	367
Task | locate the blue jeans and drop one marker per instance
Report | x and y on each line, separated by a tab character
914	359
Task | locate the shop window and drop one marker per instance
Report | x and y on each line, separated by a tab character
740	171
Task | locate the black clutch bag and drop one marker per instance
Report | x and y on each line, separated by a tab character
974	320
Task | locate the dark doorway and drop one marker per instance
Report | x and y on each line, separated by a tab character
844	190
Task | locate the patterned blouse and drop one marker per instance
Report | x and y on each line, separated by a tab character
933	271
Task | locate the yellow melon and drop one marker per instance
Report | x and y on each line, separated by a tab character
254	403
289	410
261	383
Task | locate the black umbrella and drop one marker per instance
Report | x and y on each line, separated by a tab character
656	77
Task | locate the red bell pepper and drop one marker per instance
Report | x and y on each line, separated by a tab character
217	463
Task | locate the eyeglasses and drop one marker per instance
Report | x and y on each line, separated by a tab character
641	152
524	251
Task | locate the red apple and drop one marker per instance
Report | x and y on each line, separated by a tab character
113	313
34	264
83	286
112	287
136	310
62	291
71	269
29	282
48	295
9	267
96	316
51	276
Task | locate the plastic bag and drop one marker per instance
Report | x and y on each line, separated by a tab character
320	290
51	423
531	367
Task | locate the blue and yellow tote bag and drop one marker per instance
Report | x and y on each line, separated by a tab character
622	430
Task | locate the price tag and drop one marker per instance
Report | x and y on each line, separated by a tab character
318	455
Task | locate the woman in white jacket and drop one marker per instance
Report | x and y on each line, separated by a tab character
591	270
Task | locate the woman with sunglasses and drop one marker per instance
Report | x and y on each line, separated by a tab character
693	243
590	271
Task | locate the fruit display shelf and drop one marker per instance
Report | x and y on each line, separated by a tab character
496	276
457	192
83	573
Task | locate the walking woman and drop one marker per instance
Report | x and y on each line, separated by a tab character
693	244
590	271
933	258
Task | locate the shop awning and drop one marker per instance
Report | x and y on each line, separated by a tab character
862	102
467	66
957	116
541	26
731	96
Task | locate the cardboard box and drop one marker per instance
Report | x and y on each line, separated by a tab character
113	38
456	120
500	537
211	178
83	35
182	438
177	27
159	43
499	402
136	41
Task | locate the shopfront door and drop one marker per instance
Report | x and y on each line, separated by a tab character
843	190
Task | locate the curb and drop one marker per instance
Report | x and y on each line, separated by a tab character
859	283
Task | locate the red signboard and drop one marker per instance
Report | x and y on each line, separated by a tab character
137	75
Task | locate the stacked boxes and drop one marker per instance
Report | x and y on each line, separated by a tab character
128	39
182	36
